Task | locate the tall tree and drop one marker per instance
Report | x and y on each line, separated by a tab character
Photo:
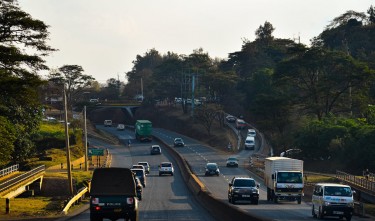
264	33
324	81
74	80
23	44
371	13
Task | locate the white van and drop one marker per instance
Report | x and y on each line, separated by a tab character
250	143
332	199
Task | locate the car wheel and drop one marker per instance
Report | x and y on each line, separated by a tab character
233	201
95	218
134	216
313	212
159	174
320	213
171	174
255	202
348	218
299	200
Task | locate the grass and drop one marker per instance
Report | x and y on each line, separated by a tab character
314	178
33	206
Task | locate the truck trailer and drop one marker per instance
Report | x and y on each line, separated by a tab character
284	179
143	130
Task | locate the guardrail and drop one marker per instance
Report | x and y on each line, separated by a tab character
9	170
77	198
358	181
21	178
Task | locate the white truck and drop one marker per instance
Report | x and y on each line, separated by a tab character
284	179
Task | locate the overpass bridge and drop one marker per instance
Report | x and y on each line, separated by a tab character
29	181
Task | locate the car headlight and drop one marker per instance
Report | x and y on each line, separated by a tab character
350	205
327	203
236	191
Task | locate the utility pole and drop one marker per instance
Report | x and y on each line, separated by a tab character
67	146
192	94
86	158
142	89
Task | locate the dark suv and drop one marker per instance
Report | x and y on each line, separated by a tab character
243	189
113	194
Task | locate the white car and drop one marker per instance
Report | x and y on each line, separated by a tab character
251	133
232	162
120	127
166	168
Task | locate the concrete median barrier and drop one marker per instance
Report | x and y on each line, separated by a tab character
219	209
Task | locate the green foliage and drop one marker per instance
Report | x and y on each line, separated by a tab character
22	46
7	139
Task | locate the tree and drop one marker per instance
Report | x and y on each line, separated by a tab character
74	80
371	13
7	139
324	81
22	48
264	33
206	114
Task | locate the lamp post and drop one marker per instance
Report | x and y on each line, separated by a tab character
67	146
86	152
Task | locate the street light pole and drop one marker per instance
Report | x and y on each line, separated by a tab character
67	146
86	158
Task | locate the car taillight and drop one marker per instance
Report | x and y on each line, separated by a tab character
95	200
129	200
97	208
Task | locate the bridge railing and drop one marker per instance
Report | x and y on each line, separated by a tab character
21	178
358	181
9	170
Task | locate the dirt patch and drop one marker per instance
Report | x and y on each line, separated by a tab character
55	187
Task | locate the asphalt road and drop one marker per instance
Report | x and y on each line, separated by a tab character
164	197
167	197
198	155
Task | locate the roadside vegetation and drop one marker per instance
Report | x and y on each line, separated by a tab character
319	98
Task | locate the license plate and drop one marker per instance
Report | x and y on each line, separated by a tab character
245	195
338	212
212	172
117	210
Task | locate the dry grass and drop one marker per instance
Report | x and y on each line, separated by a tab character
31	207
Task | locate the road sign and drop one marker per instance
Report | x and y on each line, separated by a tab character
96	152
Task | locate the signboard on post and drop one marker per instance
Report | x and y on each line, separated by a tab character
95	152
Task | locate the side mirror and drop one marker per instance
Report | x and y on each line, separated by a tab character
230	184
273	176
258	185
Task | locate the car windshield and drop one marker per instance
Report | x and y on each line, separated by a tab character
244	183
138	172
232	159
178	139
289	177
337	191
166	165
212	166
156	148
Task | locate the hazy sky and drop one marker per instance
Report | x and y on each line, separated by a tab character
105	36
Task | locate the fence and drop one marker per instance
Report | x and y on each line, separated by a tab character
9	170
359	181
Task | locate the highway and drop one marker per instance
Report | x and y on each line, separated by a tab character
165	197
